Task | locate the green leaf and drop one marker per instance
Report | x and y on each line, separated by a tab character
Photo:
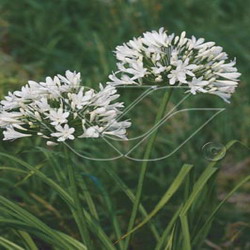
185	232
215	211
95	227
198	186
64	195
13	169
131	196
9	245
29	243
22	215
167	230
166	197
169	243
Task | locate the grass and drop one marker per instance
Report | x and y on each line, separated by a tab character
48	37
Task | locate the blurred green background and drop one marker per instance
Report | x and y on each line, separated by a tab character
41	38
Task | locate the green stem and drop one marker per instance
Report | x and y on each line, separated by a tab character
77	210
144	166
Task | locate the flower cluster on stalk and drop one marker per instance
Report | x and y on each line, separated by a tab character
159	58
60	109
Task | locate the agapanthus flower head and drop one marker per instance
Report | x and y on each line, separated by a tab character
158	58
60	109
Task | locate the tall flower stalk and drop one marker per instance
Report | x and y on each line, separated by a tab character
144	166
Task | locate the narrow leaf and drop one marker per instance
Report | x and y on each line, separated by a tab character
9	245
166	197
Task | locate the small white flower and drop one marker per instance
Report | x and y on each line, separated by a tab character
51	143
25	93
125	79
197	85
58	116
195	43
179	74
224	95
12	102
159	79
117	129
11	134
156	39
158	69
105	96
91	132
228	67
52	87
64	133
80	99
94	113
233	76
137	70
73	79
10	118
42	104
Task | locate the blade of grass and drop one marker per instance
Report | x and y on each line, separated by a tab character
14	170
29	243
203	179
23	223
198	186
64	195
167	230
9	245
95	228
185	232
92	207
73	241
98	232
165	198
14	223
107	202
209	171
215	211
52	159
80	218
170	240
206	175
102	53
131	196
111	213
29	175
89	200
22	215
206	201
48	206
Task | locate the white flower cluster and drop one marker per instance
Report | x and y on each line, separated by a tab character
157	57
60	109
